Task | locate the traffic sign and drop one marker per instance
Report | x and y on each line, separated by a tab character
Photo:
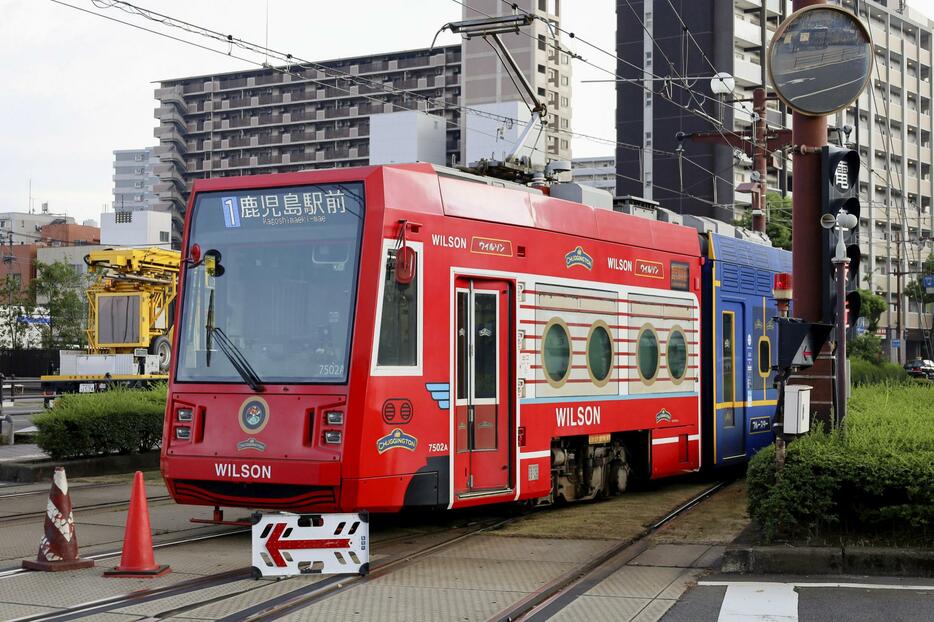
896	343
928	281
294	544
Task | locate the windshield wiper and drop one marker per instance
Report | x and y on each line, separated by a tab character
237	359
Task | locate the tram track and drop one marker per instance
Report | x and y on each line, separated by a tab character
537	606
550	599
106	505
273	608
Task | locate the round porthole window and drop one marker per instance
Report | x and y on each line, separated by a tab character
599	353
647	354
677	354
556	352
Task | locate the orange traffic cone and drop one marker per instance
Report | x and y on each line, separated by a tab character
58	549
137	559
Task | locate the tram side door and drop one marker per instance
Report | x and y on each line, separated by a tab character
483	401
731	415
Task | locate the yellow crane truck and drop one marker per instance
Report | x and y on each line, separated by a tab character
130	303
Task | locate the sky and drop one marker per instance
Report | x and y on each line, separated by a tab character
77	87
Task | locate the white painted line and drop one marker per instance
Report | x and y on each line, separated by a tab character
665	441
535	454
759	602
849	586
694	437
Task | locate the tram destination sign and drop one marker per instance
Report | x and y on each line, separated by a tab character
820	59
302	205
295	544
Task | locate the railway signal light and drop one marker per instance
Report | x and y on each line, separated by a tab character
839	219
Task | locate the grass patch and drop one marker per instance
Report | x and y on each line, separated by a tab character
870	482
863	372
113	422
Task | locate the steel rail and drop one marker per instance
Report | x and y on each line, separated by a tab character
285	604
20	571
558	593
83	508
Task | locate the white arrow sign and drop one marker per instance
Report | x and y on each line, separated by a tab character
293	544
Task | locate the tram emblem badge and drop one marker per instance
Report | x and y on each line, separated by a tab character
254	415
663	415
579	257
395	440
251	443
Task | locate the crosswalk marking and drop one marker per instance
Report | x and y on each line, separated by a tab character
854	586
758	602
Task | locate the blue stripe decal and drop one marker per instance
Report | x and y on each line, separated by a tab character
604	398
441	393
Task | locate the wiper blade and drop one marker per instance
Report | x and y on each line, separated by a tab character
237	359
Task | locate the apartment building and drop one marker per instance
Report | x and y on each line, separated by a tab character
276	120
730	36
536	51
135	179
598	172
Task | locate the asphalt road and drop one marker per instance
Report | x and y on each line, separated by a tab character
789	599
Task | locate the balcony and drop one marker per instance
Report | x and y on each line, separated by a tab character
747	33
173	95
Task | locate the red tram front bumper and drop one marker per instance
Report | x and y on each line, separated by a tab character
270	484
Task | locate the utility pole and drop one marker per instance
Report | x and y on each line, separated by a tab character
899	321
809	134
757	144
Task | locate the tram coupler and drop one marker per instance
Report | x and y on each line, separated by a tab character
218	519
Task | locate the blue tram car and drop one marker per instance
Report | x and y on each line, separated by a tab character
740	336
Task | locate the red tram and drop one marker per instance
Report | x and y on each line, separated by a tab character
412	336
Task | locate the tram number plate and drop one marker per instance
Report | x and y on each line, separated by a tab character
86	387
295	544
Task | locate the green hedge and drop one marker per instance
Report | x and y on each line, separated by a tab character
866	372
90	424
874	477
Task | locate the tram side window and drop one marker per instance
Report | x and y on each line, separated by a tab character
398	327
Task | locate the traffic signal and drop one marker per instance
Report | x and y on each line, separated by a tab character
839	217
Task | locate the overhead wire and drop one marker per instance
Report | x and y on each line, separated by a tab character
302	76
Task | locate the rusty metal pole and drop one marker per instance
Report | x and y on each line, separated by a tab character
808	135
760	158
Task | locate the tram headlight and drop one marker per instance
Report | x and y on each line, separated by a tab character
332	437
183	433
184	414
334	417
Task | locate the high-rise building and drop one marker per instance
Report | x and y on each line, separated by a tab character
668	71
134	178
276	120
599	172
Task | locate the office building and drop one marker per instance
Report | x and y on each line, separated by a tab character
731	36
136	229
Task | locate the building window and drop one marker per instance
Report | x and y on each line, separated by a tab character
164	236
541	42
123	217
541	69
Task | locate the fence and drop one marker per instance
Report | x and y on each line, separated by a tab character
27	363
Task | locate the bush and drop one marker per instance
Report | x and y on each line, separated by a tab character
90	424
873	477
864	372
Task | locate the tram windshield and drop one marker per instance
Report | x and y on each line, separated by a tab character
284	296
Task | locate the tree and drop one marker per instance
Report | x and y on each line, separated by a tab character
872	306
867	347
60	287
914	289
778	227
